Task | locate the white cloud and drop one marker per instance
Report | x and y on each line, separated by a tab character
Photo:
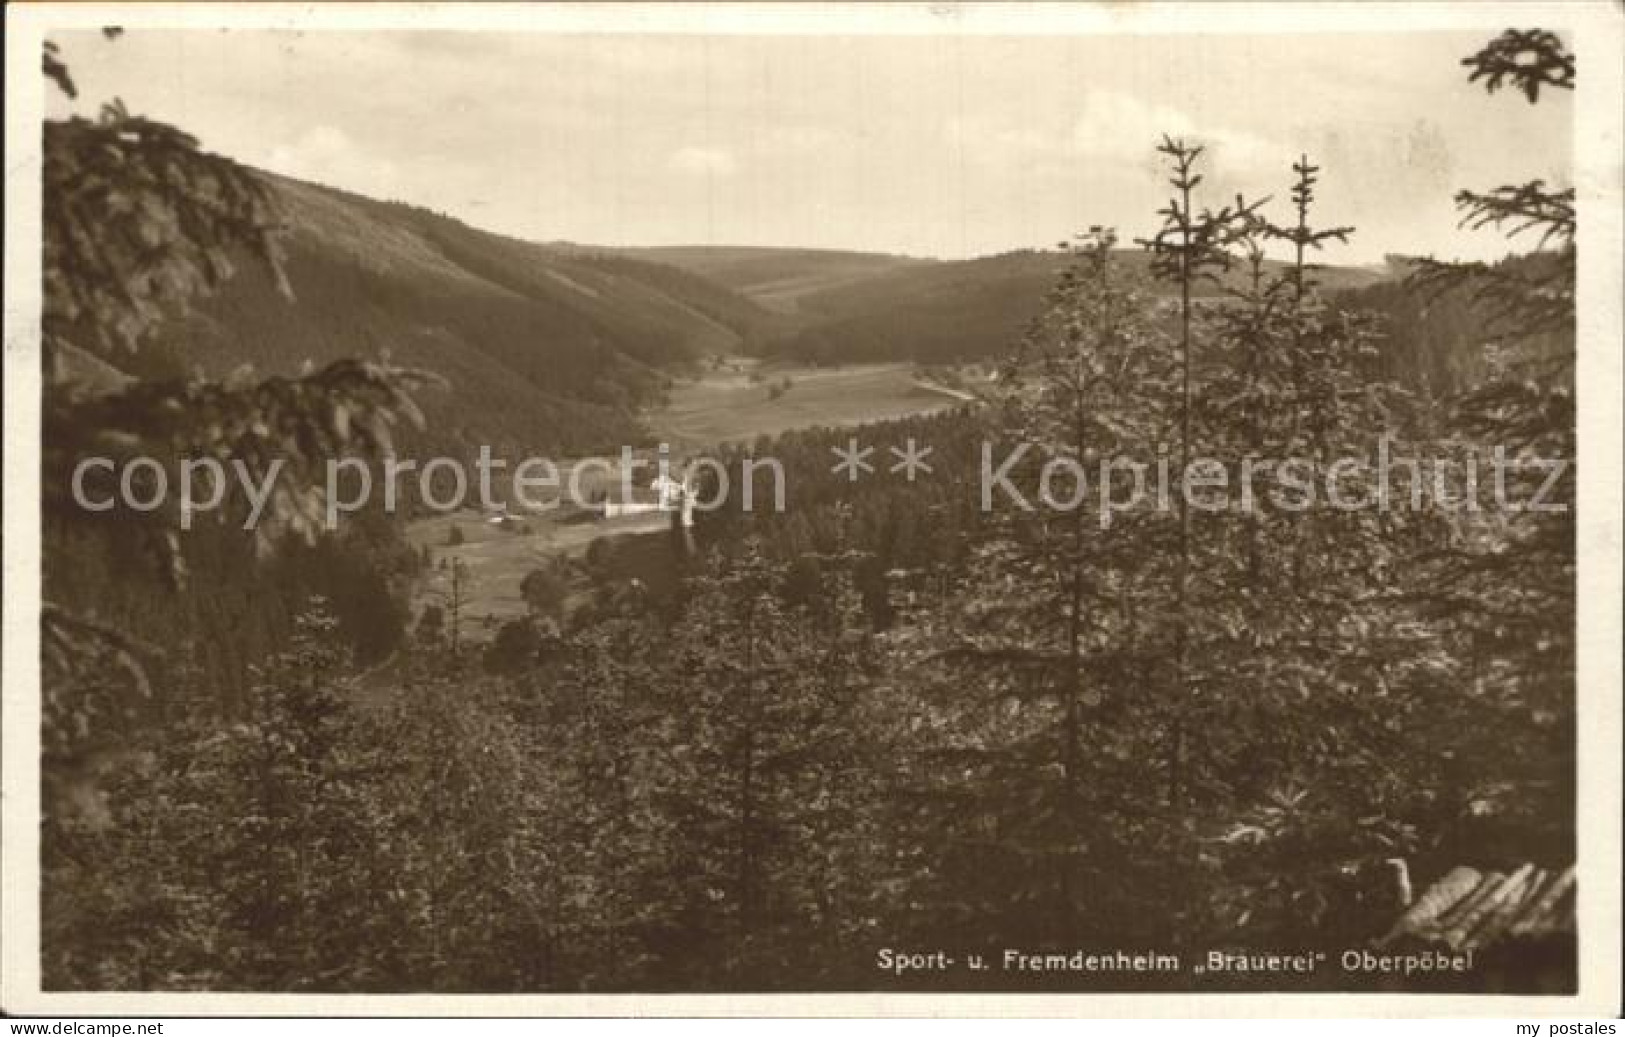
702	162
935	144
327	155
1114	130
1118	126
318	146
998	145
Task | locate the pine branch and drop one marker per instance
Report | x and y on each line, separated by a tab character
1526	59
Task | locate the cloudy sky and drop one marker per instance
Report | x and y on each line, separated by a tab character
940	145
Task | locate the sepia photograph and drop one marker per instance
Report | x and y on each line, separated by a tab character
597	501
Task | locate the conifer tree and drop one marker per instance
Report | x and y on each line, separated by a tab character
1299	655
1501	582
138	223
1190	248
771	701
1041	677
722	770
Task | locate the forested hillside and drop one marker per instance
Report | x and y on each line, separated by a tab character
947	312
1018	698
779	278
555	348
1442	339
544	350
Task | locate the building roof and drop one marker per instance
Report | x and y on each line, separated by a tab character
1470	910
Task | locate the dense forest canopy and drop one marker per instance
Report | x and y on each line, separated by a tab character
889	715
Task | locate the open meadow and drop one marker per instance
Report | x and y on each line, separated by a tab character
747	400
739	402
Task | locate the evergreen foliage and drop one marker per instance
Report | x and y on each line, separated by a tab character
884	716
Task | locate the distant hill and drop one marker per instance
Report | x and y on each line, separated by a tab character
941	312
1440	342
932	312
546	349
780	279
558	347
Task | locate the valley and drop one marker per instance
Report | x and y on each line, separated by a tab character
1203	588
738	401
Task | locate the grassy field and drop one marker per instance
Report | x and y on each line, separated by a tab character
731	405
495	560
740	405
